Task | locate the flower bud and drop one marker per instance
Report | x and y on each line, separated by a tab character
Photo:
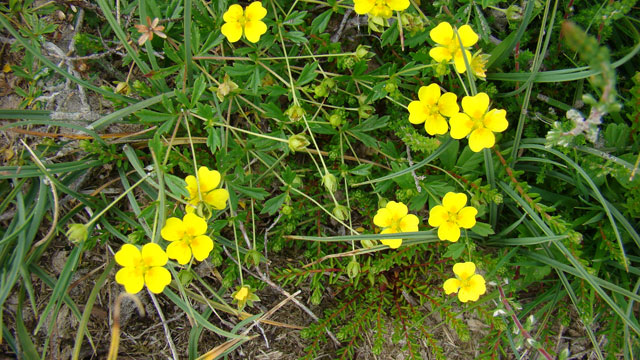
252	257
390	87
441	69
353	268
367	243
320	91
365	111
362	52
298	142
329	83
335	120
123	88
341	212
77	233
286	210
295	113
330	182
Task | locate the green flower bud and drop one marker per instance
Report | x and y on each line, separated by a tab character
382	203
320	91
367	243
329	83
341	212
365	111
77	233
390	87
286	210
441	69
353	268
296	183
513	13
295	113
362	52
330	182
335	120
298	142
185	277
252	257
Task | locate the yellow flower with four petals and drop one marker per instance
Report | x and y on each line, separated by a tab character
208	181
187	237
452	215
467	283
395	218
381	8
431	107
248	21
142	267
449	45
477	121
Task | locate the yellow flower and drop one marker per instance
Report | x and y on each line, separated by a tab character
467	283
394	218
207	192
381	8
242	294
449	48
187	237
140	268
478	64
452	215
477	121
238	20
430	108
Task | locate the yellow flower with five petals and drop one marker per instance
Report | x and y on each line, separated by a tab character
452	215
395	218
248	21
467	283
478	121
187	237
142	267
449	46
203	188
431	107
381	8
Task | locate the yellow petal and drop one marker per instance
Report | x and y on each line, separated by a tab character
131	278
397	209
429	95
417	112
451	286
383	218
128	255
477	284
481	138
192	186
438	215
464	270
156	279
440	54
466	295
234	14
448	104
201	246
392	243
461	125
475	106
254	29
496	120
409	223
449	231
436	125
173	229
362	7
467	217
194	224
458	61
255	12
217	198
209	179
242	294
180	251
453	202
442	34
398	5
153	255
468	36
232	30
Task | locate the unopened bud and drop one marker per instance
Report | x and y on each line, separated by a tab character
341	212
330	182
77	233
295	113
353	268
362	52
298	142
335	120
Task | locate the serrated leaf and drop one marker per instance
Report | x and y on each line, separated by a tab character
390	36
371	123
297	37
482	229
295	18
308	74
319	24
198	89
454	250
252	192
272	205
361	170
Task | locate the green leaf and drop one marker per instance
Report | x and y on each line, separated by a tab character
297	37
308	74
390	35
272	205
295	18
482	229
198	89
454	250
319	23
252	192
361	170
